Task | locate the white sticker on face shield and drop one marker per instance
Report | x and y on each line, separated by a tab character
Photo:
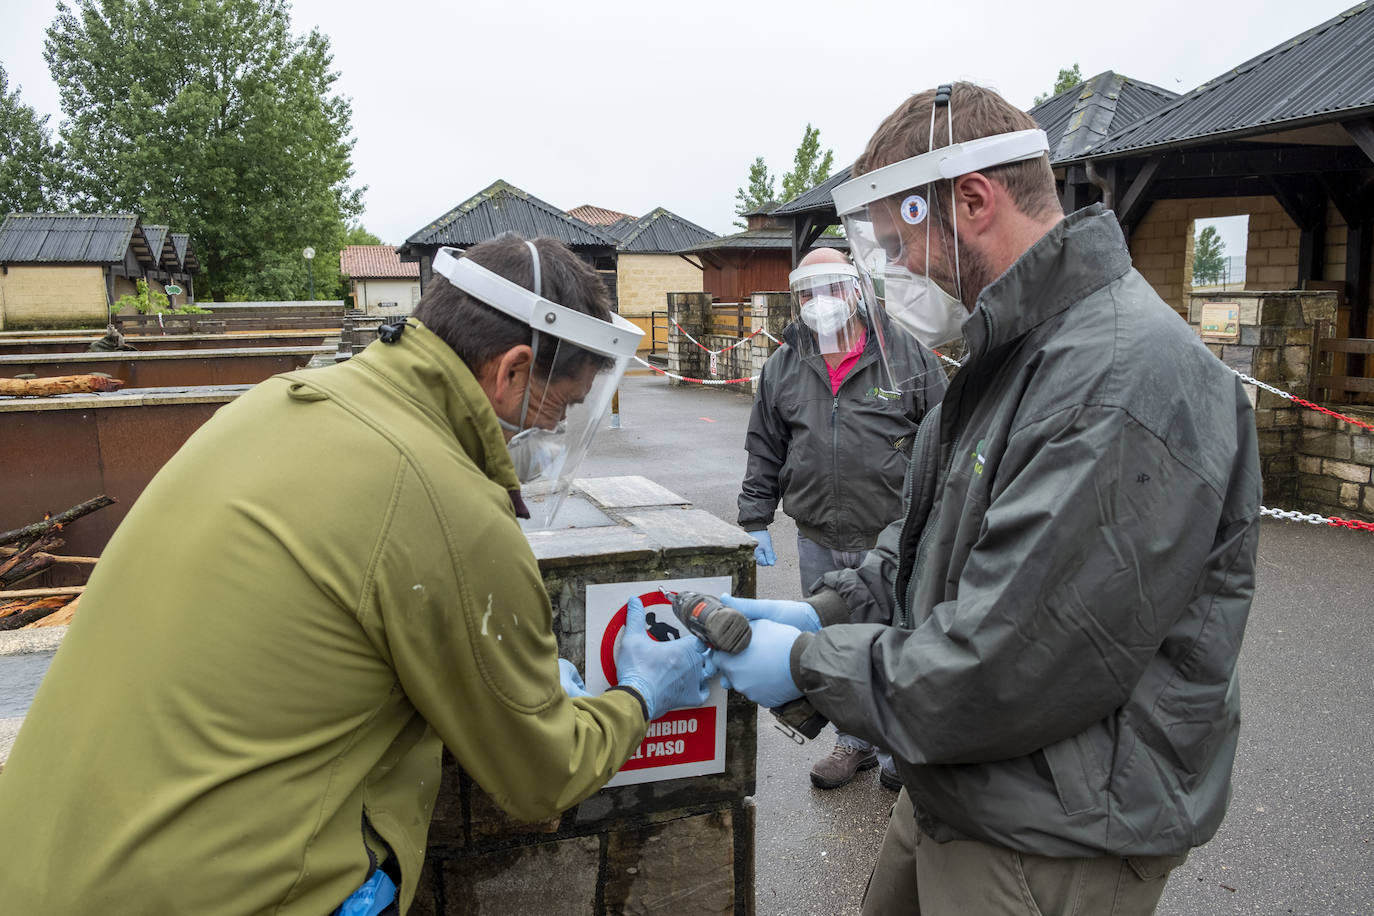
914	209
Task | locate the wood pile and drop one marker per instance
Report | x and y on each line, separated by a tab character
26	552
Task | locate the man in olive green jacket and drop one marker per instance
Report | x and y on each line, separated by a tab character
325	587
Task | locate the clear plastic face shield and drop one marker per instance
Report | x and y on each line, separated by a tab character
904	235
826	299
578	361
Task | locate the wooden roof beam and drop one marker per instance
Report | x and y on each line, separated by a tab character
1362	132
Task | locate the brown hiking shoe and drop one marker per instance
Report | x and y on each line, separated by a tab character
839	766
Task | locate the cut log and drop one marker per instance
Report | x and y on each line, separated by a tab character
58	618
57	384
10	568
37	529
31	613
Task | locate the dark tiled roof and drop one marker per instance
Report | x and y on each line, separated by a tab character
375	262
160	242
660	232
1324	75
816	199
598	216
71	238
501	208
181	241
1078	119
761	238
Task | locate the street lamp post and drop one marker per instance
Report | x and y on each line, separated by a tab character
310	263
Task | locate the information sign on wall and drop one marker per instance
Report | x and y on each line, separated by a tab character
685	742
1220	322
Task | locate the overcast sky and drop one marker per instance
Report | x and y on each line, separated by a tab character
635	105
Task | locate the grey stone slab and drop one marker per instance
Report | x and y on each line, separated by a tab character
626	492
576	512
689	530
555	548
23	642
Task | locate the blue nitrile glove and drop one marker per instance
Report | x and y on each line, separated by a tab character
375	895
763	553
763	671
571	680
797	614
667	675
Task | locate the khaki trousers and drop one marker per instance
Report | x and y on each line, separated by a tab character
916	875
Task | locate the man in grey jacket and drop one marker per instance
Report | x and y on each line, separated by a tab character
834	416
1069	585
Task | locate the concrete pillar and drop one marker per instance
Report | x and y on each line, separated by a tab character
1277	332
691	312
772	312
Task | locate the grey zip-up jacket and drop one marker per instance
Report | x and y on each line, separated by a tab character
836	461
1075	568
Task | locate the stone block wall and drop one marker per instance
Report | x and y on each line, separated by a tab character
1336	464
1310	461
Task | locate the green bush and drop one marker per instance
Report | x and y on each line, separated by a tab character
152	302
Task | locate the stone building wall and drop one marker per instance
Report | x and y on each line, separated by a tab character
53	296
1162	245
644	279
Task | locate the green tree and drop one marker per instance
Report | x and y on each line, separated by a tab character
1209	257
27	172
210	116
1066	80
810	167
355	234
758	192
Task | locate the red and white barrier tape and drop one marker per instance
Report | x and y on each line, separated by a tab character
700	381
755	333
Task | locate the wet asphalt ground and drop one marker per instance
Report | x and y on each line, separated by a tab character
1299	837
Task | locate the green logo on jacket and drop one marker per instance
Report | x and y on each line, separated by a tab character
977	456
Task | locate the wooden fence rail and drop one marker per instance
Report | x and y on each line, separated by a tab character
1336	387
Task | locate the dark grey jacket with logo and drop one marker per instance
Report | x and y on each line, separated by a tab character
1072	576
836	462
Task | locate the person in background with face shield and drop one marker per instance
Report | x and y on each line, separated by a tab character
833	420
1047	639
249	718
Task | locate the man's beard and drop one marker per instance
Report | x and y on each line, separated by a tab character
974	273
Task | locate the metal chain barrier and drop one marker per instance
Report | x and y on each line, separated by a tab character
1297	400
1313	518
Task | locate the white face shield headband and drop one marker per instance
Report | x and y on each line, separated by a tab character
826	298
887	216
567	394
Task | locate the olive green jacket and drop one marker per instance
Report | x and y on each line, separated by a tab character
324	584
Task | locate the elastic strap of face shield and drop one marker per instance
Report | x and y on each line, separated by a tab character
942	94
534	336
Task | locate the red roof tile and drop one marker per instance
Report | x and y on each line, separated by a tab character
597	216
375	261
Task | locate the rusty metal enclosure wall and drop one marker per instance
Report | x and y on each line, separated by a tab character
52	459
170	368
